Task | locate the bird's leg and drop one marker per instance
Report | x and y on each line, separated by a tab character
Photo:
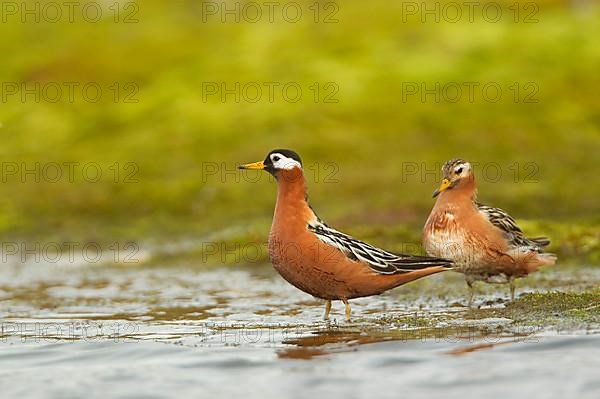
511	283
471	293
348	310
327	310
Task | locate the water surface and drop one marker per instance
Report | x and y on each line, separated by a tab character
70	331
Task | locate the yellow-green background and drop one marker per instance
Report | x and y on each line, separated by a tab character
172	134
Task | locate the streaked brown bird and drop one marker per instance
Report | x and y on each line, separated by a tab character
322	261
485	243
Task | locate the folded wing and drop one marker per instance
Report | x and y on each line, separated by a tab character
512	232
379	260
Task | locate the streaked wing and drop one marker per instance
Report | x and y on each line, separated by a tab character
379	260
512	232
540	241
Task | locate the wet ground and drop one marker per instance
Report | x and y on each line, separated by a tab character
76	330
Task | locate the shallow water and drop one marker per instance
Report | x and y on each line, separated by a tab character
80	331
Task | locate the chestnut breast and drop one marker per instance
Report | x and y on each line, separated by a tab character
463	234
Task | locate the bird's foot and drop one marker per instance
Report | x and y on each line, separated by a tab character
327	310
348	310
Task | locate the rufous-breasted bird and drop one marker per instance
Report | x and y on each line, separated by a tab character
322	261
484	243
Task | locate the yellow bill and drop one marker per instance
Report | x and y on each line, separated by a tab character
445	184
254	165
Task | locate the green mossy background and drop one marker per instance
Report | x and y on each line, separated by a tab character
360	149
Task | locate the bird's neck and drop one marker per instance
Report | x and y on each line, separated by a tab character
464	193
292	209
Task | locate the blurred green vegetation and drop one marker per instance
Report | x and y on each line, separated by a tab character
372	157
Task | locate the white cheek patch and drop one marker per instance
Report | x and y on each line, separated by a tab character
466	168
285	162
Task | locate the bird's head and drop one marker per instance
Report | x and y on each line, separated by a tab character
276	162
456	172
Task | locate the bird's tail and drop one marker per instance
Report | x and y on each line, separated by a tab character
547	259
541	242
415	262
538	260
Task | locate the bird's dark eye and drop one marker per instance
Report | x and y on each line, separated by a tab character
275	158
458	171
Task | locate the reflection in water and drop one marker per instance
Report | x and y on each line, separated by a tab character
326	342
329	341
472	348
